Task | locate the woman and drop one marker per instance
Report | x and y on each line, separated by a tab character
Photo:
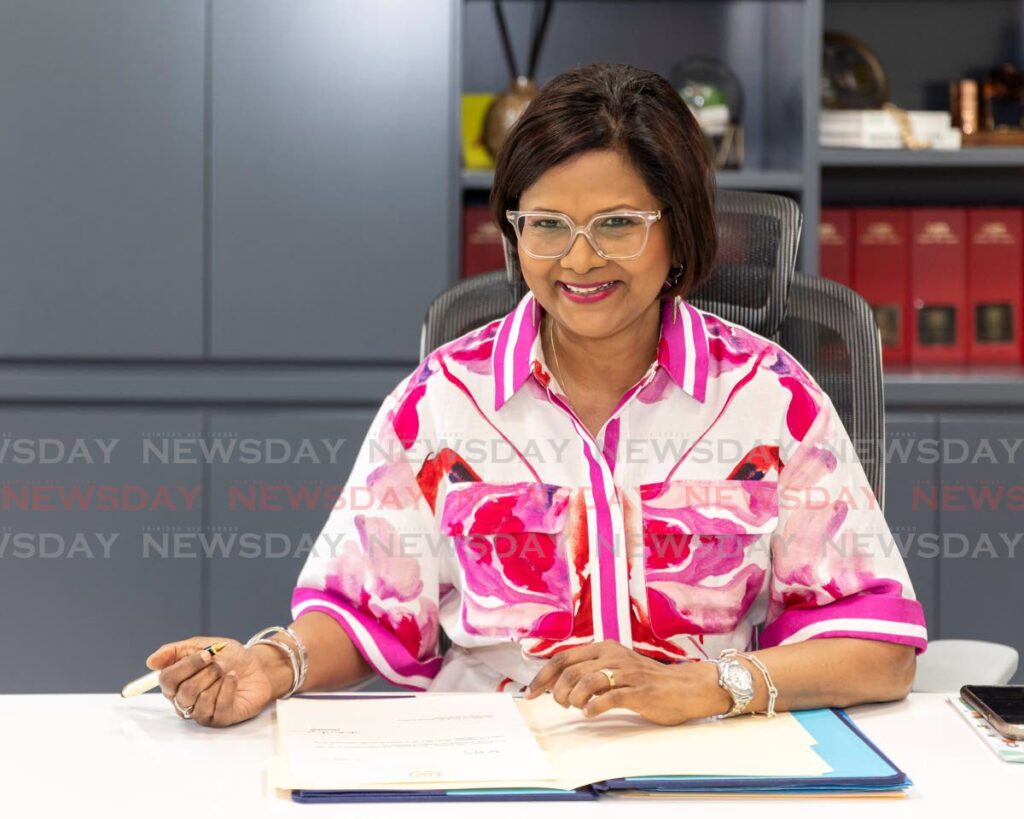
605	493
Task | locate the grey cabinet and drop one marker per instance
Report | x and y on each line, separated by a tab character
981	577
332	157
955	505
217	217
95	572
266	514
911	474
101	162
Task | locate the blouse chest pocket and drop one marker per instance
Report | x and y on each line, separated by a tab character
706	551
511	543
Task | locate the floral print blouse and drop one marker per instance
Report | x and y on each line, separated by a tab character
721	505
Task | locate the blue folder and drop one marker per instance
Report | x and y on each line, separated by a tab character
857	765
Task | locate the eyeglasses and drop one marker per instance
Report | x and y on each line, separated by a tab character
620	234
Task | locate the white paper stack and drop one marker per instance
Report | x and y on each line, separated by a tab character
878	128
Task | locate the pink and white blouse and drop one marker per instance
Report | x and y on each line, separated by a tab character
721	505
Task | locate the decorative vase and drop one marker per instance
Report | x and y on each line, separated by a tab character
507	107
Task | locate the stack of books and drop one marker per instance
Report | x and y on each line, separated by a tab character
482	246
946	284
879	129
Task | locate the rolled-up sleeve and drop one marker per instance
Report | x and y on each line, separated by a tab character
836	568
374	568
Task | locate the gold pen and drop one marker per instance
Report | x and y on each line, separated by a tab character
151	680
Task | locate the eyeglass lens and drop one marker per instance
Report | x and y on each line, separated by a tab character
616	235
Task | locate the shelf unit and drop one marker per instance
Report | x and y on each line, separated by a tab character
763	41
775	48
782	181
1010	158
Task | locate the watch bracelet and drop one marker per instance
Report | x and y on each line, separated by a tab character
732	712
756	662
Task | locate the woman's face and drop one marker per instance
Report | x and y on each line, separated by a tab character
590	183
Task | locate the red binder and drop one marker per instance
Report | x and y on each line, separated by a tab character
835	245
881	273
938	285
482	249
995	278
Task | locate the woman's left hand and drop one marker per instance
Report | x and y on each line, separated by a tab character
665	694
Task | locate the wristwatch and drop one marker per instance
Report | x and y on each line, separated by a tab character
735	678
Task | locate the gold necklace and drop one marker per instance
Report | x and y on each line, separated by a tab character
554	352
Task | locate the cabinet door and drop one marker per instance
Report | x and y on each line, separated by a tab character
334	176
101	162
95	567
911	475
267	508
981	575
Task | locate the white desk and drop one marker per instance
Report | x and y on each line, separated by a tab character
137	756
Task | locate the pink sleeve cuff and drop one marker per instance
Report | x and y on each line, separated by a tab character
381	648
868	616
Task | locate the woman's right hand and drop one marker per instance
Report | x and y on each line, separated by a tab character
224	689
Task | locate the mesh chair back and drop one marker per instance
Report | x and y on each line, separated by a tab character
824	325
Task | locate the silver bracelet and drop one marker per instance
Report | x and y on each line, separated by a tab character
262	638
291	659
303	656
772	690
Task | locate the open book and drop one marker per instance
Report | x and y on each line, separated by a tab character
344	747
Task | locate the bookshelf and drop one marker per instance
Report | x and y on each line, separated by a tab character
762	41
774	46
1009	158
762	180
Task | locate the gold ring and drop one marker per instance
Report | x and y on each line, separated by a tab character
610	675
184	713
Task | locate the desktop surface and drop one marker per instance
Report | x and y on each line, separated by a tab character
80	751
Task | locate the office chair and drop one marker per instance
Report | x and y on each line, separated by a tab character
948	664
827	327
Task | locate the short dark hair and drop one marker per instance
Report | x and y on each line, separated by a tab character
620	107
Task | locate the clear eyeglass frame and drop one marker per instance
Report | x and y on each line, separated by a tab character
649	217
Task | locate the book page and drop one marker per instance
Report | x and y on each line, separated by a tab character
621	743
420	741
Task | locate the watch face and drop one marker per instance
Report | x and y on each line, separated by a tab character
739	678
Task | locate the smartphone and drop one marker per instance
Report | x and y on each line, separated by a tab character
1001	705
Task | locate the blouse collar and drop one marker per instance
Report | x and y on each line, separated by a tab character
683	350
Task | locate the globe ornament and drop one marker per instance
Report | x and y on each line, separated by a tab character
714	95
